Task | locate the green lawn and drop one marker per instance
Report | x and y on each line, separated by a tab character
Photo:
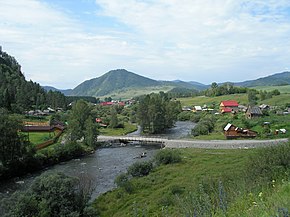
39	137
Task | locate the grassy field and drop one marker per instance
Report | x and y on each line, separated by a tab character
207	183
40	137
129	93
279	100
202	100
282	89
128	128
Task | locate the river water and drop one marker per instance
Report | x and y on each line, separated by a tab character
104	165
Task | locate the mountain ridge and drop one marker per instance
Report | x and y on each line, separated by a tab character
119	81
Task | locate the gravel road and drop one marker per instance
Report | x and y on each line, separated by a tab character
222	144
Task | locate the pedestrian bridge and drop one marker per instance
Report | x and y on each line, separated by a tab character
210	144
132	139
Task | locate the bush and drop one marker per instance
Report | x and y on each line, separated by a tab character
123	181
167	156
269	163
140	169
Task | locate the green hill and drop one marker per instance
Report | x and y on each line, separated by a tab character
122	83
277	79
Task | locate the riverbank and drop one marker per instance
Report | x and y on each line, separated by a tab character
102	167
208	182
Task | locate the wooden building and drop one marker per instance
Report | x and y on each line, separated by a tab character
233	132
253	112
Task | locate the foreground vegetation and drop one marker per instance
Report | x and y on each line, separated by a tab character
207	183
50	195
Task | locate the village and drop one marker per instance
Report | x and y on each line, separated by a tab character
263	116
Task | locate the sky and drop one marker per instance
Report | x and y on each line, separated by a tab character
62	43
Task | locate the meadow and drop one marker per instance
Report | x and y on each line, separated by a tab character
242	99
252	182
282	89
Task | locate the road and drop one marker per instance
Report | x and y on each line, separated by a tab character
210	144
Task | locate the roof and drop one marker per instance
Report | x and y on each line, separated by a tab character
227	127
227	110
198	108
229	103
254	110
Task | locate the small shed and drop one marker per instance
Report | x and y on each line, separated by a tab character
253	112
233	132
197	108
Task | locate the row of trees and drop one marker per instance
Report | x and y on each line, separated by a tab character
224	89
157	112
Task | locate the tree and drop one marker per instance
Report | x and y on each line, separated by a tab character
252	98
81	123
14	147
157	112
113	117
51	194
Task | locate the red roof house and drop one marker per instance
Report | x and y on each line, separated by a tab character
228	106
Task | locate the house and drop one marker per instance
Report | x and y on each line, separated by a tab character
253	112
242	108
186	108
197	109
264	107
106	103
233	132
229	106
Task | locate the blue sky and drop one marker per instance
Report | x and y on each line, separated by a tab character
64	42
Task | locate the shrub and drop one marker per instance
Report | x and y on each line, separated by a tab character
167	156
269	163
140	169
123	181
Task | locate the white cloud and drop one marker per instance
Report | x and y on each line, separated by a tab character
203	40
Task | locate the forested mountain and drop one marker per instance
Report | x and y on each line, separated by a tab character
121	80
112	81
277	79
17	94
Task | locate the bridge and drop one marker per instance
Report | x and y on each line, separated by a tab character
210	144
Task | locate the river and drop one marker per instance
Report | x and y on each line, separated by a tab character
104	165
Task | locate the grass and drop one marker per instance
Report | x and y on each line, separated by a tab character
282	89
208	183
128	128
128	93
202	100
279	100
153	193
40	137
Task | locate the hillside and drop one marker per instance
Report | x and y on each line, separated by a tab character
17	94
120	81
277	79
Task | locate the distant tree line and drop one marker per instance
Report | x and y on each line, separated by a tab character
157	112
179	92
224	89
17	94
